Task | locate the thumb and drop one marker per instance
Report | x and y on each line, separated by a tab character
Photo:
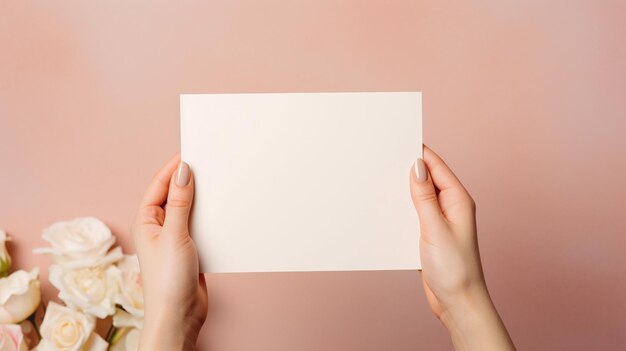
424	195
179	200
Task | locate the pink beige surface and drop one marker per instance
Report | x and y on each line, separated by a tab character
525	100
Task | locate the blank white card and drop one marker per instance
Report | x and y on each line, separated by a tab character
303	181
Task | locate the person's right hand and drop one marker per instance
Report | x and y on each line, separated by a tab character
451	270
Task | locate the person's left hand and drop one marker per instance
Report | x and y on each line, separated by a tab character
175	294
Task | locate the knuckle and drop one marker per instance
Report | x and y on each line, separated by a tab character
151	212
469	203
428	196
147	215
178	202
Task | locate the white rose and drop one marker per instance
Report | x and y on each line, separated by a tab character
19	296
92	290
82	242
130	295
123	319
64	329
11	338
5	259
126	339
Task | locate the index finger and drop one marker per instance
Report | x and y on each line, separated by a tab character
156	193
443	177
456	203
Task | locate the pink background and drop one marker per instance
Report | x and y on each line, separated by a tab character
525	100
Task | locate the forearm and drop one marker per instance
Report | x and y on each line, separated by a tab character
474	324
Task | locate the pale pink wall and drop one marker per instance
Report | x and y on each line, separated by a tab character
524	99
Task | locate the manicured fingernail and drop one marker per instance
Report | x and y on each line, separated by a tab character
184	175
420	170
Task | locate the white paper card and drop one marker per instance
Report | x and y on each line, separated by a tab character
303	181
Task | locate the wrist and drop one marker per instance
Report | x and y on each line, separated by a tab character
155	339
474	324
167	330
467	305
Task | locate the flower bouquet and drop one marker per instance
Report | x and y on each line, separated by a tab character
98	285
